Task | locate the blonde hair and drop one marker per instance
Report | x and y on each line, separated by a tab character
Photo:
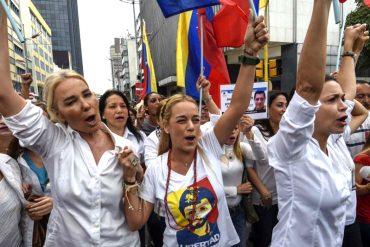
51	83
237	149
165	115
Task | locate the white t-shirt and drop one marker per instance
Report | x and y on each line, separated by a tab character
264	171
88	205
358	138
313	191
151	147
215	227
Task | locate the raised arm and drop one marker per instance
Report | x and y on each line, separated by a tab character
26	83
255	38
354	40
207	98
311	67
10	102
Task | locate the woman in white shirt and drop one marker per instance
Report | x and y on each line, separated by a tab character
233	166
312	164
80	155
261	174
114	111
15	225
187	179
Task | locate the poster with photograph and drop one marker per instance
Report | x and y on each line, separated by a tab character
257	108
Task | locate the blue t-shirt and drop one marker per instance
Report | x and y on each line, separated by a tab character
41	173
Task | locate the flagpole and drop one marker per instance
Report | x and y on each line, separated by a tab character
336	11
201	62
266	50
251	3
12	22
340	41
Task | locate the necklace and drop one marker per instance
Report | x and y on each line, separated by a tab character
194	190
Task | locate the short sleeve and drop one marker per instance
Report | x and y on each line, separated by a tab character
148	186
150	149
210	143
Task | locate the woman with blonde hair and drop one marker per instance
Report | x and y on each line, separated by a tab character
79	153
187	179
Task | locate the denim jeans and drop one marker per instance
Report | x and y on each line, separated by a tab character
238	218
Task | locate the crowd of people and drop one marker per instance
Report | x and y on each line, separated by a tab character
78	171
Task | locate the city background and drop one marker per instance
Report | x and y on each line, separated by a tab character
53	42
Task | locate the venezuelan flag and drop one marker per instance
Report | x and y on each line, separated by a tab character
259	4
150	82
188	54
174	7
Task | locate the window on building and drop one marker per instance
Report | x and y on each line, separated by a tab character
20	71
14	8
18	50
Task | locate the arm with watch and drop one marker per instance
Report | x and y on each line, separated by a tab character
354	40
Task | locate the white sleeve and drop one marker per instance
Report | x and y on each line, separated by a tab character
210	143
230	191
148	186
36	132
150	150
252	149
295	131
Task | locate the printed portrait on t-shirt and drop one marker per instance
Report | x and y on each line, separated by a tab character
203	229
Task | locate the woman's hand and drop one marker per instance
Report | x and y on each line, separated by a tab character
246	124
245	188
132	170
26	80
266	198
39	207
355	38
256	35
202	82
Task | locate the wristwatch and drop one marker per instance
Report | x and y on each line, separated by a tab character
247	59
350	54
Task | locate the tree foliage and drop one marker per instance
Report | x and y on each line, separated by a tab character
361	15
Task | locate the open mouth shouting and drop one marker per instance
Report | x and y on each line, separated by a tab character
342	121
191	139
91	120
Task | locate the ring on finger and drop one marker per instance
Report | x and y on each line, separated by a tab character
134	160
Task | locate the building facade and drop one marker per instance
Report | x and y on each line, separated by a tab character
117	64
62	16
35	54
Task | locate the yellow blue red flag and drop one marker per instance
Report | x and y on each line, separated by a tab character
188	54
150	82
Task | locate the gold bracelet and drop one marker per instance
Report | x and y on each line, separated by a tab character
128	189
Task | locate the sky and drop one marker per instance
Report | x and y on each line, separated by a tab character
100	23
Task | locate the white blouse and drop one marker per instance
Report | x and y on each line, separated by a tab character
10	216
16	227
88	204
313	191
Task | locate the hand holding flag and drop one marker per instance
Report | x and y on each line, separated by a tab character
256	36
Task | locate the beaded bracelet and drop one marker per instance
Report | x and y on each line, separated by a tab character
128	188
